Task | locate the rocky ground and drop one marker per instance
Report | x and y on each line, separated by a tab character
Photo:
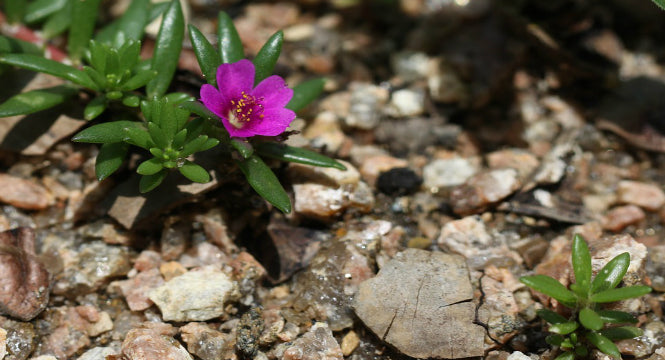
478	137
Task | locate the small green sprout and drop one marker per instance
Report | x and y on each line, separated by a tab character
587	325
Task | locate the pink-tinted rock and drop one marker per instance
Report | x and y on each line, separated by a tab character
317	343
648	196
153	343
136	289
521	160
375	165
23	193
483	190
622	216
207	343
71	328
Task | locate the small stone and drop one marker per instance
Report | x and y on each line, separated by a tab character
149	344
197	295
174	239
366	103
147	259
483	190
317	343
44	357
521	160
399	181
448	172
406	102
326	175
517	355
24	194
202	254
248	331
325	202
206	343
410	66
419	302
171	269
622	216
372	166
216	230
647	196
350	342
97	353
136	289
325	132
70	328
3	343
21	338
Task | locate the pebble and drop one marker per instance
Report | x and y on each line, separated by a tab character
324	202
136	289
521	160
350	342
648	196
445	85
410	65
150	344
23	193
499	310
70	328
366	103
317	343
325	132
442	173
98	353
21	338
197	295
483	190
419	302
406	102
655	267
216	230
325	175
399	181
518	355
372	166
622	216
206	343
3	343
25	281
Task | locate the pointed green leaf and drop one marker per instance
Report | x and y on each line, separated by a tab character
267	57
193	146
567	355
623	293
243	147
179	139
265	183
12	45
138	137
621	333
194	172
550	287
96	76
554	339
41	9
611	274
95	107
551	317
109	159
15	9
98	52
660	3
603	344
149	182
177	98
206	55
138	80
230	46
105	133
194	128
167	49
616	317
158	136
131	100
129	54
133	22
581	260
51	67
36	100
58	22
112	66
209	144
590	319
564	328
199	109
84	14
297	155
150	167
305	92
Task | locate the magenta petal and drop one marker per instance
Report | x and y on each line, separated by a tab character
233	79
275	121
274	92
213	100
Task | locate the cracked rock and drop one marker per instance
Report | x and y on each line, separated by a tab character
420	302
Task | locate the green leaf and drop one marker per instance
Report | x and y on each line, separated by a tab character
105	133
554	339
616	317
12	45
149	182
138	137
98	52
550	287
206	55
265	183
158	136
95	107
611	274
41	9
84	15
179	139
660	3
199	109
51	67
603	344
564	328
176	98
140	79
193	146
551	317
243	147
194	172
167	49
133	22
305	92
267	57
623	293
590	319
230	46
15	9
297	155
36	100
58	22
150	167
96	76
129	55
131	100
581	260
567	355
109	159
621	333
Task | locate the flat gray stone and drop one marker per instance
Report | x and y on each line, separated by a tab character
421	303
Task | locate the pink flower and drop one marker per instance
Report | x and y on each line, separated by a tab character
247	111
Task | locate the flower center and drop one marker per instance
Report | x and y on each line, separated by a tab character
246	109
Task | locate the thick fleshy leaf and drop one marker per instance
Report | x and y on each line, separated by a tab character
193	145
129	55
199	109
36	100
134	20
15	9
603	344
131	100
179	139
41	9
551	317
305	92
194	172
138	80
158	136
581	260
206	55
167	49
230	46
12	45
267	57
95	107
550	287
590	319
554	339
567	355
621	333
616	317
244	148
84	16
176	98
150	167
51	67
109	159
623	293
611	274
564	328
149	182
660	3
265	183
96	76
106	133
138	137
297	155
58	22
98	52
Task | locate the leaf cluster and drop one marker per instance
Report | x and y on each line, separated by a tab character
589	324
